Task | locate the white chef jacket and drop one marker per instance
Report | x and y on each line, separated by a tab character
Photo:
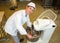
15	23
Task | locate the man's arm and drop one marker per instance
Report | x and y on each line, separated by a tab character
19	26
18	23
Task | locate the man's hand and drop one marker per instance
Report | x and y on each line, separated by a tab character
29	36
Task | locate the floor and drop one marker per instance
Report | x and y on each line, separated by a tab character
39	9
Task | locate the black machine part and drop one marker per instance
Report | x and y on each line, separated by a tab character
35	34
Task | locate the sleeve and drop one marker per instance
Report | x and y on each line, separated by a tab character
18	23
28	22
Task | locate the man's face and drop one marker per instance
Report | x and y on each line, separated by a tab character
29	9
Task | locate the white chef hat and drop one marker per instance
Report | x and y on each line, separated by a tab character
31	4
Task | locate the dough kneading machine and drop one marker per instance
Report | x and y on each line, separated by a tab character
43	27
